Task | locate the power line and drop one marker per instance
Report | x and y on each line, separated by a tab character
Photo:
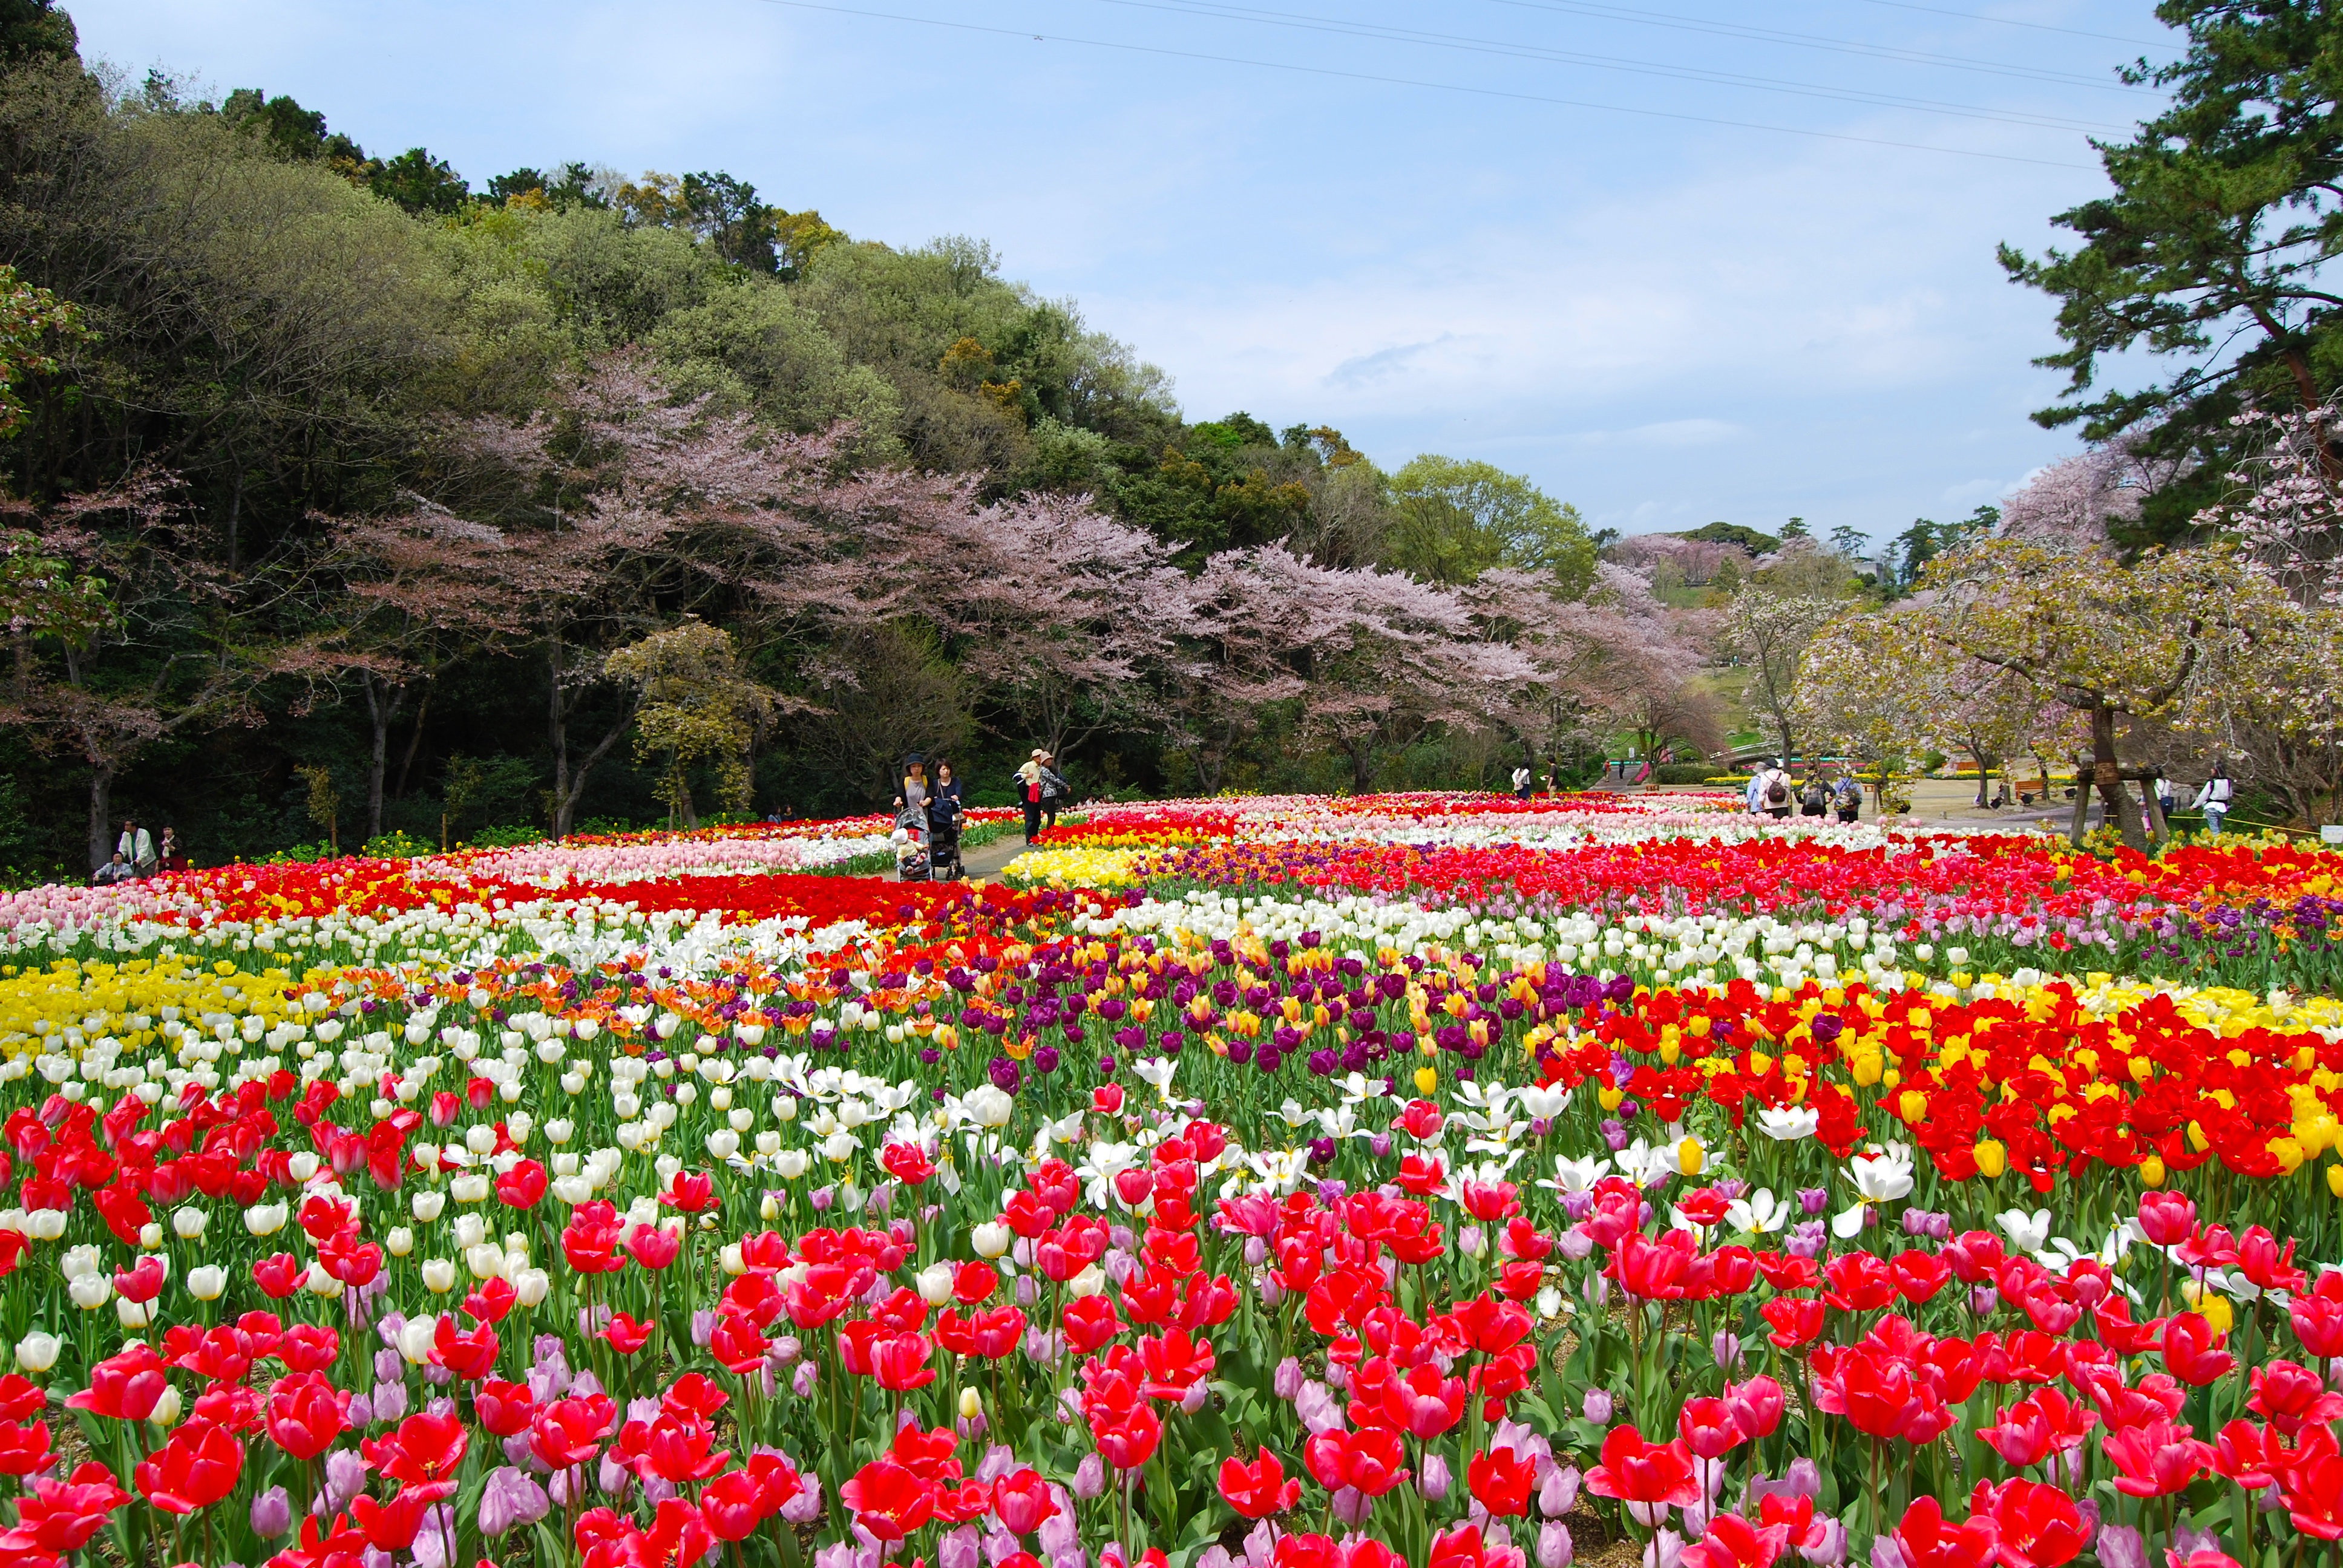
2012	22
1413	82
1814	41
1376	31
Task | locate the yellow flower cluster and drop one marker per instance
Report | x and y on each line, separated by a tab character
1075	868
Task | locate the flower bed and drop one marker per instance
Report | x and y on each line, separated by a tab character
1303	1183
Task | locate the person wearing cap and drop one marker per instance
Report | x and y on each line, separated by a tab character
1029	792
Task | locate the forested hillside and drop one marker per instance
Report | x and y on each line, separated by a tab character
365	471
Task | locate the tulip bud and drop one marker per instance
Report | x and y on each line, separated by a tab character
150	1236
1089	1477
90	1291
438	1276
1553	1544
1286	1381
1435	1479
189	1222
529	1286
935	1284
166	1409
970	1406
1596	1406
37	1352
206	1283
272	1514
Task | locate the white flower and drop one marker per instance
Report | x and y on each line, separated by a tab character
1789	1124
2026	1232
1642	1164
1545	1102
1880	1176
1760	1214
206	1282
1155	1070
37	1352
1576	1175
990	1239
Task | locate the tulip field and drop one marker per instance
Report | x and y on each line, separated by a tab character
1433	1180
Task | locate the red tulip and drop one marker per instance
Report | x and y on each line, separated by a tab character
907	1163
2035	1525
2192	1351
393	1526
124	1386
736	1344
61	1517
690	1192
24	1449
2156	1459
627	1335
888	1499
1422	1404
1927	1541
1023	1502
1500	1480
1732	1542
522	1186
505	1409
309	1347
1796	1320
306	1413
569	1432
2290	1397
199	1465
1756	1406
2310	1481
1370	1459
653	1246
470	1356
1260	1489
733	1505
1707	1428
2317	1315
1634	1471
1127	1439
900	1363
1090	1322
2166	1219
424	1452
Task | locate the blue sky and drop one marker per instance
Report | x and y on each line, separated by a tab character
1428	235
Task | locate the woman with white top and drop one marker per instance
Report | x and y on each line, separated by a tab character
2214	799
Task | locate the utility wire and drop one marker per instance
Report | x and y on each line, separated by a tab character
1376	31
1416	82
2012	22
1814	41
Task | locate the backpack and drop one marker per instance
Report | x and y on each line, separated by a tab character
1778	793
1816	796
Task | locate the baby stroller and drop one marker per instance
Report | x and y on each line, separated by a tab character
944	840
910	838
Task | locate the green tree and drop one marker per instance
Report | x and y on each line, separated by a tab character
2210	251
695	706
1453	519
35	30
419	183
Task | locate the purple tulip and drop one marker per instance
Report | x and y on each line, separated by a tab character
272	1514
1435	1479
1089	1477
1596	1406
510	1498
1554	1545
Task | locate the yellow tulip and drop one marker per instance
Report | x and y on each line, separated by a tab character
1991	1158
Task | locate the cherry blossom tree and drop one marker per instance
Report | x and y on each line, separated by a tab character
1770	631
2287	506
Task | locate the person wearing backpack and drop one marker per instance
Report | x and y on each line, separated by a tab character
1816	801
2215	798
1777	794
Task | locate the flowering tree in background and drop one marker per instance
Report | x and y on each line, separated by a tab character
2287	509
1871	688
2173	635
1770	631
2078	500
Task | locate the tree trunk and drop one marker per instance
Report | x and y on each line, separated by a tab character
2106	774
101	815
414	741
1784	726
382	709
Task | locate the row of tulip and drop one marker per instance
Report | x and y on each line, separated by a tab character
704	1213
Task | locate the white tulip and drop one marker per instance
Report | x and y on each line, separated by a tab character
79	1260
266	1218
206	1283
90	1291
470	1229
415	1336
45	1224
791	1164
486	1262
990	1239
37	1352
530	1286
935	1284
427	1204
189	1222
133	1315
438	1276
166	1409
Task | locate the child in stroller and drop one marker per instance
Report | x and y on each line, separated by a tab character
910	837
943	838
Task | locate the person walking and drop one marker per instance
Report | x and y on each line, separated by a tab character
1522	777
136	849
1757	788
1778	786
914	795
1055	790
1848	798
2215	798
1029	792
947	785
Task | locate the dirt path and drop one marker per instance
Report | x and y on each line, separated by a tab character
985	861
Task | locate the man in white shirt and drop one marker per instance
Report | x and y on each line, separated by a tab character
136	848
